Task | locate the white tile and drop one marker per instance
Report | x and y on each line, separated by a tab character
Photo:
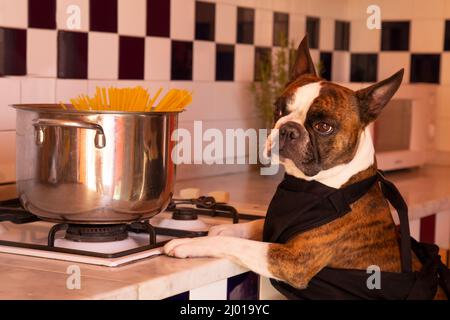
445	68
244	62
442	134
132	16
315	56
182	19
263	27
41	52
226	23
414	226
428	8
326	38
296	28
38	90
427	35
391	62
103	55
72	15
363	39
68	89
204	63
7	156
340	66
9	94
442	236
14	13
443	97
157	58
214	291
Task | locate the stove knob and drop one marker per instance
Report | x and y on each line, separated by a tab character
220	196
190	193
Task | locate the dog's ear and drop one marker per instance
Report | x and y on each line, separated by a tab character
303	62
373	99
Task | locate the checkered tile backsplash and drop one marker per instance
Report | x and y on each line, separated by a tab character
190	40
170	40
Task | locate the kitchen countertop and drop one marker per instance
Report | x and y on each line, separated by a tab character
426	190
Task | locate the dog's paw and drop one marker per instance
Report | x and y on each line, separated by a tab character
190	248
230	230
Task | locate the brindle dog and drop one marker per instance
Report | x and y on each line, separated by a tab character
323	136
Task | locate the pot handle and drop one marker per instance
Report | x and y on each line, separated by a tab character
39	124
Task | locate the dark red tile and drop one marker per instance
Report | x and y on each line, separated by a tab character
245	25
427	228
224	62
425	68
13	52
42	14
131	58
158	18
103	15
72	55
313	31
205	16
181	64
280	29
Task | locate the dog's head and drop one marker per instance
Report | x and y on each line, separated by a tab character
321	125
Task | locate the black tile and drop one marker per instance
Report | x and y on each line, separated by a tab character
179	297
313	31
425	68
364	67
280	29
245	25
263	62
13	52
72	55
103	15
42	14
243	287
447	36
205	13
395	35
158	18
326	63
224	62
342	35
131	58
181	65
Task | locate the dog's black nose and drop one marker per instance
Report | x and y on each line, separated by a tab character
289	131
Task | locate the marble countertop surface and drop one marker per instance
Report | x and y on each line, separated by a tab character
426	190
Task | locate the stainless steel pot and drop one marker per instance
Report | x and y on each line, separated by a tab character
94	167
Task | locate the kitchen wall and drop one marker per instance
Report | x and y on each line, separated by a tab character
210	47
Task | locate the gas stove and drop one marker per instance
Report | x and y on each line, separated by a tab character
110	245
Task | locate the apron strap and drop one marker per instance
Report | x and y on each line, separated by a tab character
391	192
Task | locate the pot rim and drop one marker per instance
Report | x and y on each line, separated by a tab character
56	108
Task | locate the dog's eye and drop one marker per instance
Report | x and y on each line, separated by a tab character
323	128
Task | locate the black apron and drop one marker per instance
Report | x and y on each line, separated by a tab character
299	205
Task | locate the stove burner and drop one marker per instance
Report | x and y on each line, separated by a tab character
96	233
184	214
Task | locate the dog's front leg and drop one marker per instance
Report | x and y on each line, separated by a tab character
249	230
248	253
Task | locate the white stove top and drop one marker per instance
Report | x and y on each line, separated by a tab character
36	233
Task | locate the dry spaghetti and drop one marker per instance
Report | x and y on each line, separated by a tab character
135	99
